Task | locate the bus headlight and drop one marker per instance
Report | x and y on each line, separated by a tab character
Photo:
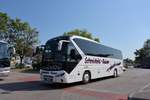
59	75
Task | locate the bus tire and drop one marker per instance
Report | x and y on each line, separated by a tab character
115	73
86	77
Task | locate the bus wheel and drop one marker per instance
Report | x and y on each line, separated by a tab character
86	77
115	73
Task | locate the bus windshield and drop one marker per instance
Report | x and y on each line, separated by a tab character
3	50
51	51
60	54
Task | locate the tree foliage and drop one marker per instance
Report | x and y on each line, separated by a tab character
143	55
4	22
128	62
82	33
4	25
18	33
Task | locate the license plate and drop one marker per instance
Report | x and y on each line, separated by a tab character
48	79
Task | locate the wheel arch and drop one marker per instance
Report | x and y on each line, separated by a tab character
88	72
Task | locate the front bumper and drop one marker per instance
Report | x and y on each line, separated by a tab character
51	77
4	72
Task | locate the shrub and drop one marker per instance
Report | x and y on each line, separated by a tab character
19	66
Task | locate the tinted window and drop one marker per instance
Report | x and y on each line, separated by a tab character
73	58
95	49
51	50
3	50
65	59
73	54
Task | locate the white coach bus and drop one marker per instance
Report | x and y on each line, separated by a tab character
68	59
4	59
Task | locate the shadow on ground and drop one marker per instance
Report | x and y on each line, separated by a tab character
38	85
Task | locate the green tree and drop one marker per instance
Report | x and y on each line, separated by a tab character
4	24
128	62
140	55
18	33
82	33
143	55
25	37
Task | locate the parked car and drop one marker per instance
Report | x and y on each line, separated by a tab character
27	61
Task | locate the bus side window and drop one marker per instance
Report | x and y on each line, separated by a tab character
73	54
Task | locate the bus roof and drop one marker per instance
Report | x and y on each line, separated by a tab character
1	41
59	38
79	37
72	37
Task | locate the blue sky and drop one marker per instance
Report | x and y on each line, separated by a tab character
122	24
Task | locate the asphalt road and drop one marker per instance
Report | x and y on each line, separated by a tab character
27	86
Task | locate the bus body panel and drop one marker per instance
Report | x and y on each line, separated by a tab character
4	71
97	66
96	70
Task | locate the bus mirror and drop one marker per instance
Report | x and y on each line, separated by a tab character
60	43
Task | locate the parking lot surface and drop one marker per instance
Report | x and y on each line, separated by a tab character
27	86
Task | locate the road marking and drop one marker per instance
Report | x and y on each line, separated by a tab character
146	86
139	90
92	93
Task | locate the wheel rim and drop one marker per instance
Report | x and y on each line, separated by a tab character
86	77
115	73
